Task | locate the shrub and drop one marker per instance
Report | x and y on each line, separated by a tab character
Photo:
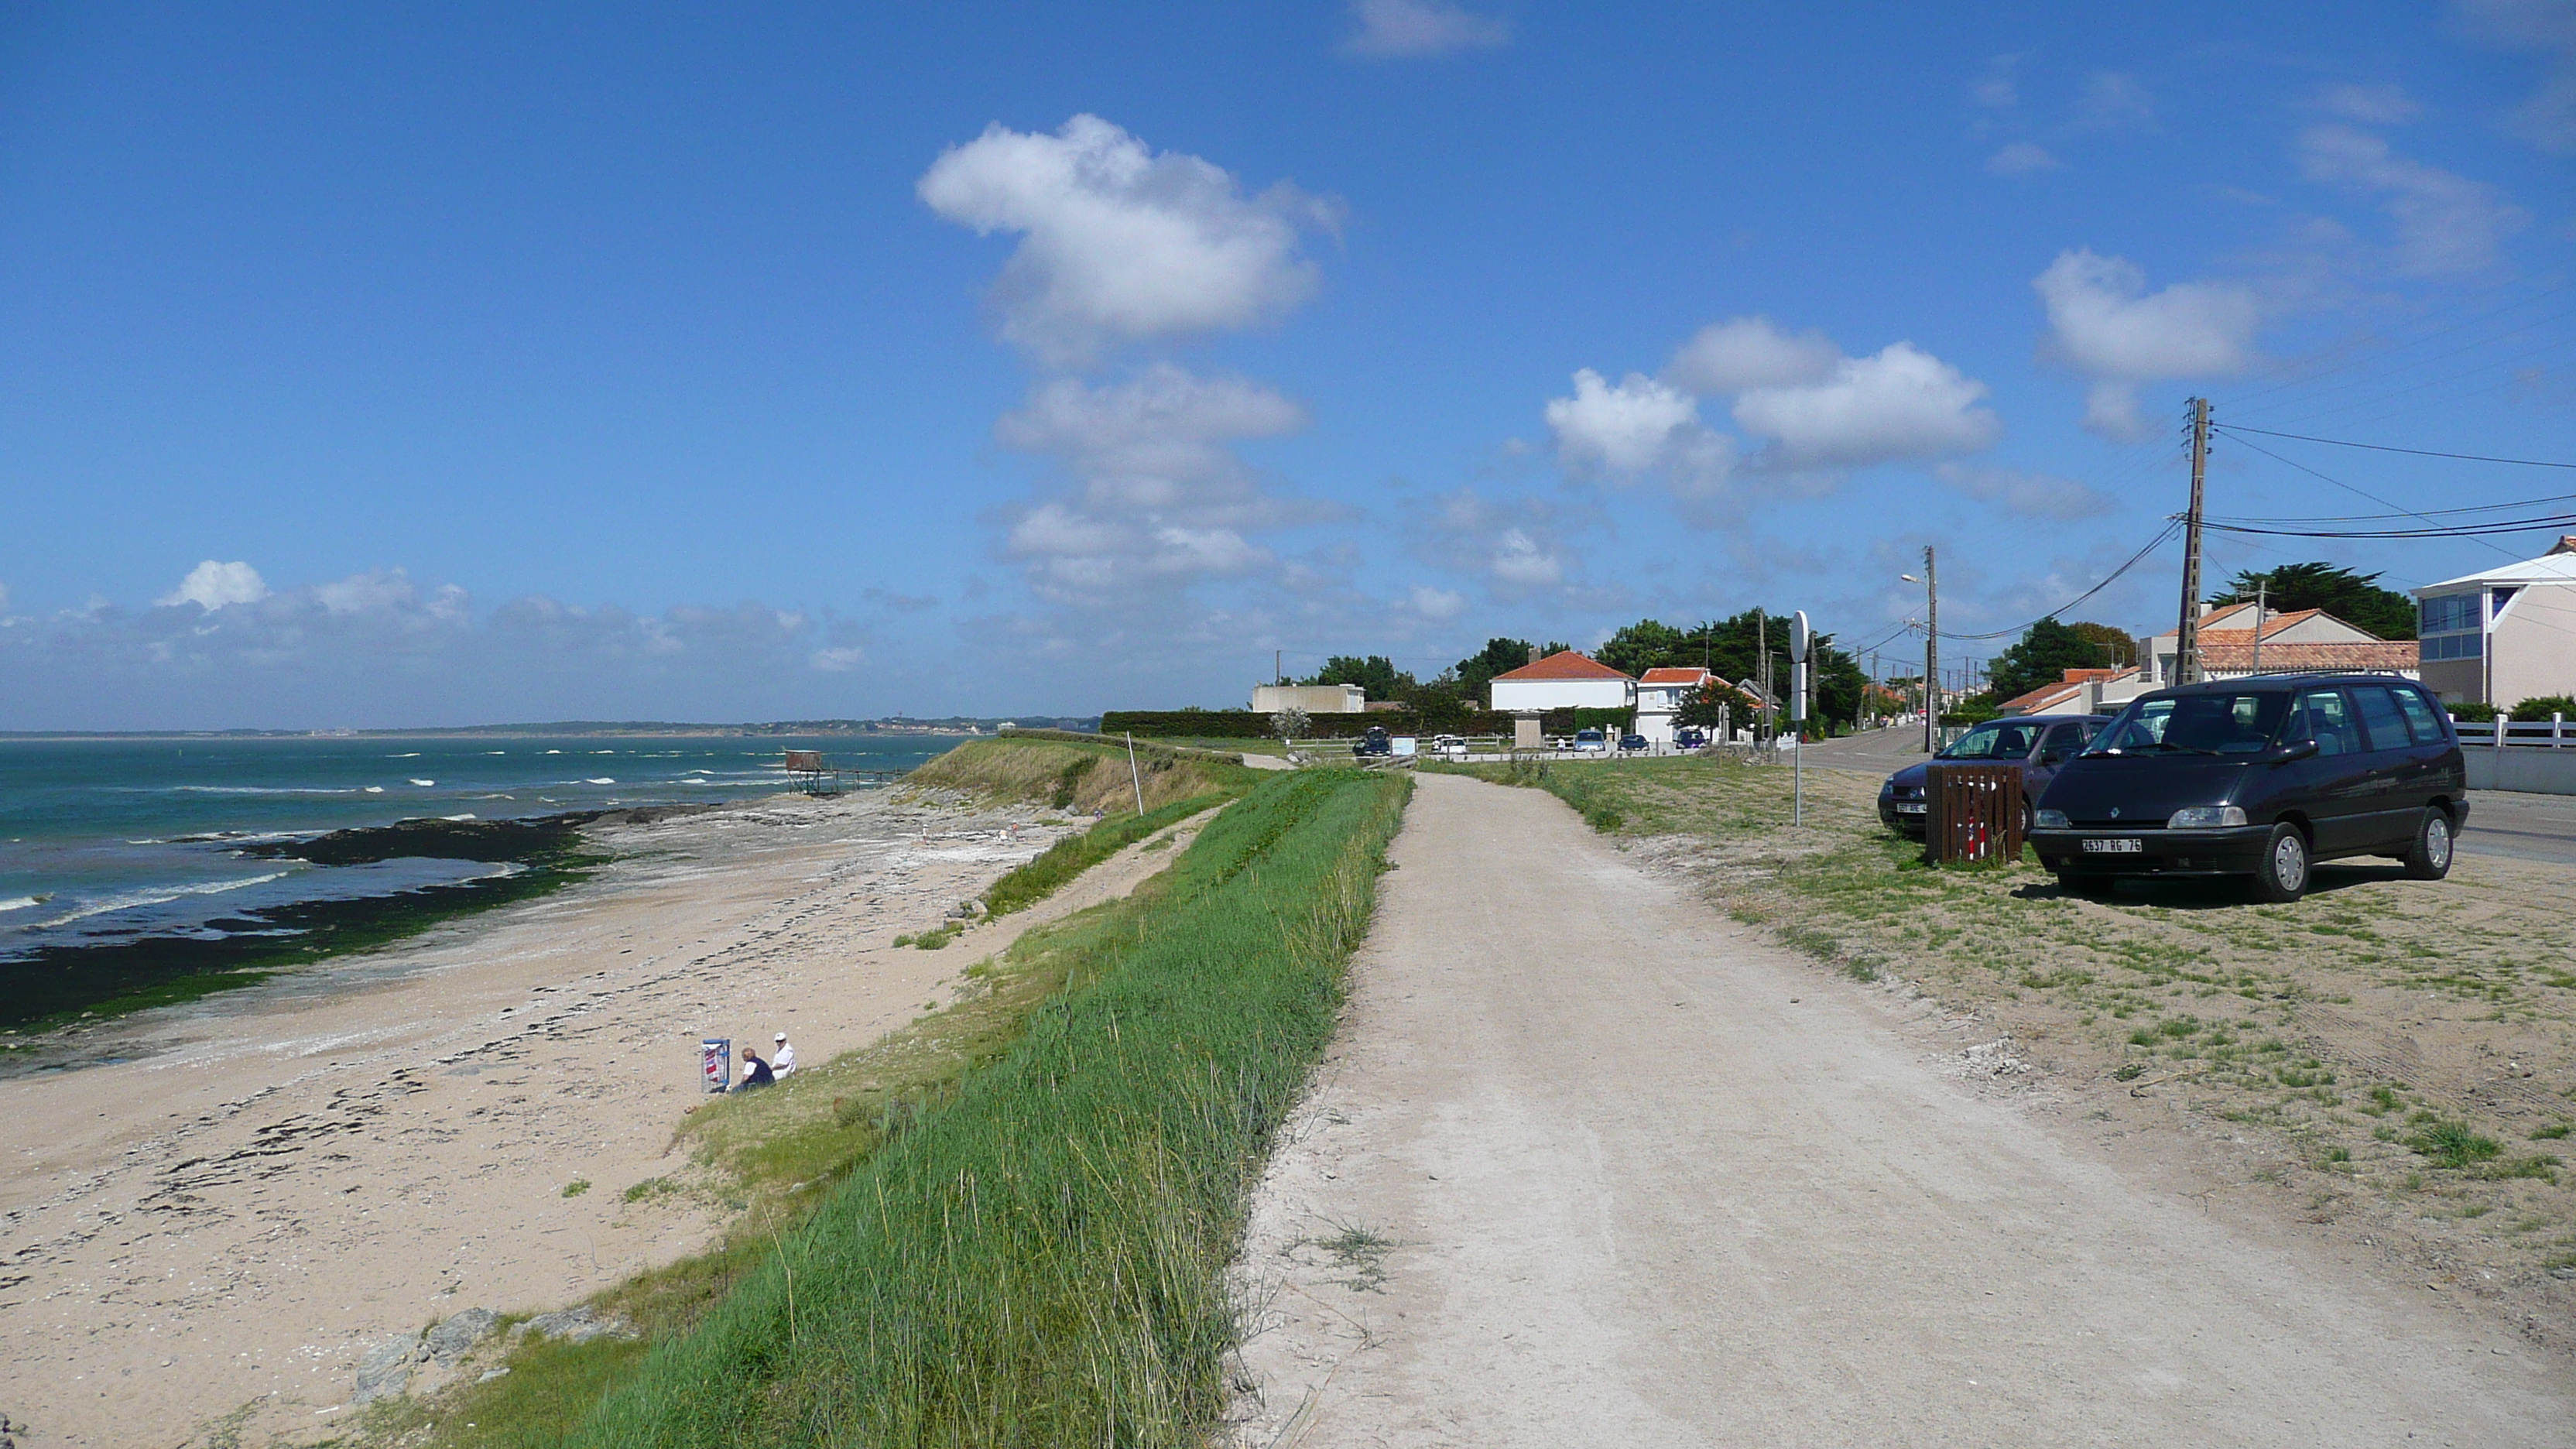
2541	706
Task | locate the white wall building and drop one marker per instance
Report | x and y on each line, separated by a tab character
1564	680
2505	635
1312	698
1661	693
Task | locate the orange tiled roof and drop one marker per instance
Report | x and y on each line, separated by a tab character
1666	675
2235	658
2045	694
1564	664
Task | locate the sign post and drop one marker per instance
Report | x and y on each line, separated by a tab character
1800	643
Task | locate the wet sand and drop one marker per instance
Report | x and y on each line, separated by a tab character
214	1221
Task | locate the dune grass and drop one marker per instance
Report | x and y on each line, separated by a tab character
1070	857
1040	1259
1080	773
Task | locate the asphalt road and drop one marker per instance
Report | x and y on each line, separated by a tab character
1607	1168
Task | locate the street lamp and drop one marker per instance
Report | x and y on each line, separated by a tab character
1931	649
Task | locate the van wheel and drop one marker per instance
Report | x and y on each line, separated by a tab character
2430	858
2282	874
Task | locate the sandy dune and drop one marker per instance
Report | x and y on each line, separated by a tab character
268	1182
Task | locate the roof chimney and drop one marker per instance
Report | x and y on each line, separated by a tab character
2566	544
1533	654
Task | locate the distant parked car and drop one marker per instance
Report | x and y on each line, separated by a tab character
1690	737
1448	747
2259	778
1375	742
1632	742
2040	744
1590	740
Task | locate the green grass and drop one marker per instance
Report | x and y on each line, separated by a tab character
1008	1223
1040	1258
1073	855
2454	1144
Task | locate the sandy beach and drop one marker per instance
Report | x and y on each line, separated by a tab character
209	1215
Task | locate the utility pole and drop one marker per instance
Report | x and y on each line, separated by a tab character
2187	637
1279	666
1931	655
1762	647
2262	599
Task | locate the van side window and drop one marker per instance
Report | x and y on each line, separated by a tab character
2379	715
2322	717
2420	718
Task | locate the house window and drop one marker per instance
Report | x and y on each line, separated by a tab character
2452	627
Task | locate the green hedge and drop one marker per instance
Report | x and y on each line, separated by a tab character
1244	724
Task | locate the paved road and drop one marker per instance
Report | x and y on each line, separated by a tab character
1649	1182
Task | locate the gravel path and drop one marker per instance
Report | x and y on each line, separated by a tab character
1592	1165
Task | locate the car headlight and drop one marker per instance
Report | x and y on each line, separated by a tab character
2050	820
2206	817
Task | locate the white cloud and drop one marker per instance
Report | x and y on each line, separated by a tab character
840	659
1119	244
1898	403
2548	118
2445	222
2036	495
2114	102
2379	105
1637	429
1164	497
1518	559
2109	327
211	585
2022	158
1433	603
1744	352
1393	28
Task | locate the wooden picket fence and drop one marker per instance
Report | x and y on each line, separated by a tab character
1974	814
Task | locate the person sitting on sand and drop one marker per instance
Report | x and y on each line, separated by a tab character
755	1072
782	1058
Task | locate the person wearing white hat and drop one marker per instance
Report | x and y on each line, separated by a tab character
782	1060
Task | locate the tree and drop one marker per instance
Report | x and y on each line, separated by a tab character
1376	674
2119	647
2045	652
1499	656
1290	724
2354	598
1648	644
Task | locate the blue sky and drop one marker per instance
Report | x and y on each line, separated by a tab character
372	366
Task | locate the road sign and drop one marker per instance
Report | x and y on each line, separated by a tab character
1801	644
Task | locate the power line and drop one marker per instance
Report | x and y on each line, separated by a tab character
2171	528
2461	530
2385	448
2348	488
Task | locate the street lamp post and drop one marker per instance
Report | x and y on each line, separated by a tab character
1931	649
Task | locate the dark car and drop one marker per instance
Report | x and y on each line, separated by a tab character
1375	742
2038	743
1690	737
2260	778
1632	742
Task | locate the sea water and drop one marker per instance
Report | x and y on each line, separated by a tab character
118	841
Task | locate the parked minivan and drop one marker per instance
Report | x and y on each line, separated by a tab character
2259	777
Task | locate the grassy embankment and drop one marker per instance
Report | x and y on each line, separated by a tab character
1010	1222
2402	1048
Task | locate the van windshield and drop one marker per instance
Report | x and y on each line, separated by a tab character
2194	724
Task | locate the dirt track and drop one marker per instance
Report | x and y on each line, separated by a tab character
1647	1180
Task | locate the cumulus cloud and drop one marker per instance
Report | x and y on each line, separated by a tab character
1164	497
211	586
1746	352
839	659
2445	222
2548	118
1897	403
1120	244
2022	158
1436	604
1394	28
1640	429
2103	320
1516	546
2035	495
1518	559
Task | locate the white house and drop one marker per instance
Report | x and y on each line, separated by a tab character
1564	680
1312	698
1661	693
2505	635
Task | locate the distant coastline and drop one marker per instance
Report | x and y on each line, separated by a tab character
637	729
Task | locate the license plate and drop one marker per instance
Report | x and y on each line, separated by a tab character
1902	808
2114	847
